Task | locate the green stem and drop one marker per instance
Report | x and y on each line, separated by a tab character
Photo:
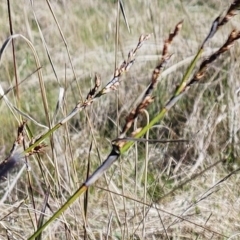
72	199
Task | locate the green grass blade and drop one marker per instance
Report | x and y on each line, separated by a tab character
72	199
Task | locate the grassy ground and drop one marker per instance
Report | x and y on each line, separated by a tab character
192	187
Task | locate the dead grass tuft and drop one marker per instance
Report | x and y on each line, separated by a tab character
179	180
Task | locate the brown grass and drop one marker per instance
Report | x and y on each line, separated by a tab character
192	187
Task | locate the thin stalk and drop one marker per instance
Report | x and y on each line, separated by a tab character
57	214
145	174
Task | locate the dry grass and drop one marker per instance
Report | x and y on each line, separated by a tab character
192	188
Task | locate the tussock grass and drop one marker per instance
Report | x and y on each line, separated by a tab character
173	190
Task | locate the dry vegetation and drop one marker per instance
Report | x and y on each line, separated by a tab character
191	186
